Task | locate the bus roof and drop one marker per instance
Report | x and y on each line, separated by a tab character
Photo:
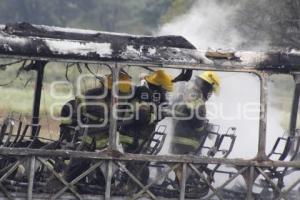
46	42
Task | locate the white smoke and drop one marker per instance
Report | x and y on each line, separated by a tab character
237	91
211	25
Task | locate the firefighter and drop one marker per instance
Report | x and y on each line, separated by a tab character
146	101
147	98
132	135
92	112
189	131
89	112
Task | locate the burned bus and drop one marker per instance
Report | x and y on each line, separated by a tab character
249	150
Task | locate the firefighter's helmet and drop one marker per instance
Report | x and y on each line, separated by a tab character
161	78
124	83
212	78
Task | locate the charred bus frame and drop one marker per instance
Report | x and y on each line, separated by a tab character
42	44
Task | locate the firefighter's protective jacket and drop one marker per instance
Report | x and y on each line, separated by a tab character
189	130
144	121
92	113
89	112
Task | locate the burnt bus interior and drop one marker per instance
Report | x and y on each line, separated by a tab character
43	67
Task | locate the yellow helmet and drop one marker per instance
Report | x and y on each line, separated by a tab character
161	78
124	82
213	79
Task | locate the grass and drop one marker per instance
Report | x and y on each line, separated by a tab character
20	101
17	97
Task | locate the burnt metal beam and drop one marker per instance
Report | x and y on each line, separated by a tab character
135	179
24	40
239	67
289	189
295	105
113	109
10	171
4	177
39	66
109	174
249	183
228	181
31	178
213	189
161	176
6	193
25	152
77	179
60	178
183	181
31	30
261	154
274	186
46	47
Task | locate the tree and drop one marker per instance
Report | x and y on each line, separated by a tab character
274	21
130	16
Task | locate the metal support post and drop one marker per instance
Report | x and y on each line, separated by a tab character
31	178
